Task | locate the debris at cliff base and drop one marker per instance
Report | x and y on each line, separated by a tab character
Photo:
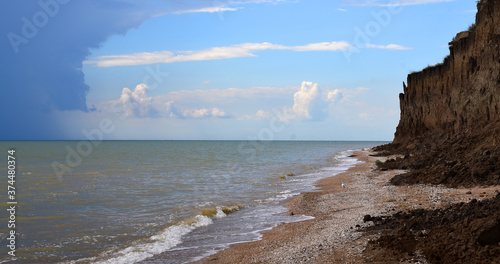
462	161
461	233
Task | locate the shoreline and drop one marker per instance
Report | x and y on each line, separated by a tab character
336	234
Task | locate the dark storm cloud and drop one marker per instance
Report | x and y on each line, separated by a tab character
42	46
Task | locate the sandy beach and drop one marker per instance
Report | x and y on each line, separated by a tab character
337	234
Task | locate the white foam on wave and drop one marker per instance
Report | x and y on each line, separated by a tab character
167	239
345	160
301	182
219	213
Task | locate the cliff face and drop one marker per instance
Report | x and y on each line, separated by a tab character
449	130
461	95
449	133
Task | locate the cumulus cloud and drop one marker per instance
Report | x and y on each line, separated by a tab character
306	102
389	47
309	102
335	96
137	103
304	99
215	53
296	103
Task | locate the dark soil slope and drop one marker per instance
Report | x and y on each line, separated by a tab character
463	233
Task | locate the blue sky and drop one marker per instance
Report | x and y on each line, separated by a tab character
247	69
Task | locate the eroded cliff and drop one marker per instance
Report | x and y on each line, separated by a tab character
462	94
449	133
450	113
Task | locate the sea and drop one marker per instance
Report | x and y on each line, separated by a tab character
153	201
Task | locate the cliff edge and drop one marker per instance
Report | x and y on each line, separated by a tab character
462	94
449	133
449	129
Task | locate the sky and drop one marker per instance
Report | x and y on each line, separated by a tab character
217	69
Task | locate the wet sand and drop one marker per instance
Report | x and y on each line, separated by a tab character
335	234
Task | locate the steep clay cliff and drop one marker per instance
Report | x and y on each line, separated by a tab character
449	133
461	95
450	113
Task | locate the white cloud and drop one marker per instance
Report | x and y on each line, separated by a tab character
169	109
211	9
248	109
335	96
137	103
341	9
321	46
196	113
345	95
204	113
392	2
216	112
306	100
388	47
215	53
196	6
